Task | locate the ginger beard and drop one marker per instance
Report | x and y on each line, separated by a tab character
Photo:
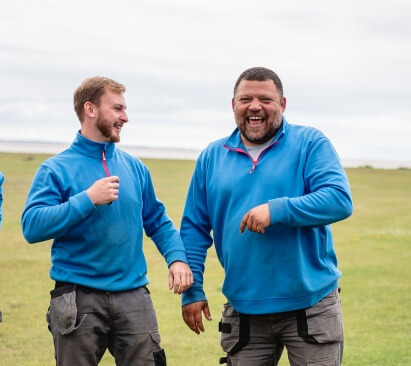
108	129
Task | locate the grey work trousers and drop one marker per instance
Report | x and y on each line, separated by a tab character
86	322
312	336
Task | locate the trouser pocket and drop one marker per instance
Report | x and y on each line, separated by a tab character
235	330
321	323
159	358
62	314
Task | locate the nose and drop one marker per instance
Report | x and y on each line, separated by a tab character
255	105
124	117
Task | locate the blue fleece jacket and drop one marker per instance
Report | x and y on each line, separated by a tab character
293	264
98	246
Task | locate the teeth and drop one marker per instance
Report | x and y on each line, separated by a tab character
255	118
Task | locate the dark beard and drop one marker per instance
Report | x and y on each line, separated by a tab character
259	140
106	129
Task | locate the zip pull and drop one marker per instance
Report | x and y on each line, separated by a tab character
253	167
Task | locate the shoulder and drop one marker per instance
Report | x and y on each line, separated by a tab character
123	155
215	147
304	130
304	134
130	161
61	159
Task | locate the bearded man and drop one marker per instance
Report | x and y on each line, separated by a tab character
94	200
266	196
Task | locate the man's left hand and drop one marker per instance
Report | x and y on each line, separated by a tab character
257	219
180	277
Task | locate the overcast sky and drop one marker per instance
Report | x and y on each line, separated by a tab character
345	67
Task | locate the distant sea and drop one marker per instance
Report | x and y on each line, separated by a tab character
35	147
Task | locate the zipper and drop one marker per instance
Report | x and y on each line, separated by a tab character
254	162
104	162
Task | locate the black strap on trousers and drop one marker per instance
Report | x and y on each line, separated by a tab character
243	337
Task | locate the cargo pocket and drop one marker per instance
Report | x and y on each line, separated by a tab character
321	323
158	354
62	314
234	330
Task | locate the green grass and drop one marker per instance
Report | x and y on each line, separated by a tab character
373	248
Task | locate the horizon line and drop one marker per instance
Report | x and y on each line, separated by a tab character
179	153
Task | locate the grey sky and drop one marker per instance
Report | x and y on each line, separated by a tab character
344	66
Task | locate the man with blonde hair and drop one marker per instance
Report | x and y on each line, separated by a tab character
94	200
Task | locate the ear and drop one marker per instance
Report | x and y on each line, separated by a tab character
232	103
89	109
283	103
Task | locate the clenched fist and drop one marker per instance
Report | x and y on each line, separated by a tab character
104	190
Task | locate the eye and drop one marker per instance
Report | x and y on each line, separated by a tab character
244	99
266	100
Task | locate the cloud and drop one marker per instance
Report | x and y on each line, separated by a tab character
344	66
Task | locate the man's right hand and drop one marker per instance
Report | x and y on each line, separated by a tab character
104	190
192	315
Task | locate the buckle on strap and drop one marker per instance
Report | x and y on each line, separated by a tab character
223	360
224	327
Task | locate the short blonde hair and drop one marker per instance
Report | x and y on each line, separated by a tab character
91	90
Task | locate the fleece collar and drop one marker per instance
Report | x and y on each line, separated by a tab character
91	148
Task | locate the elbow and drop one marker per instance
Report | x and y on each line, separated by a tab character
30	235
347	208
348	211
344	203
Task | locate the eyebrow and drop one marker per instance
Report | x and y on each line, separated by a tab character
120	105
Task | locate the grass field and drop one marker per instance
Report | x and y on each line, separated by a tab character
373	248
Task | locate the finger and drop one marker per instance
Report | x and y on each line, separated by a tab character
250	223
254	225
183	284
190	279
260	229
170	280
177	284
113	179
243	223
192	324
207	313
199	321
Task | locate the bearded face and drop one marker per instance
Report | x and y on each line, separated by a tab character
109	129
258	109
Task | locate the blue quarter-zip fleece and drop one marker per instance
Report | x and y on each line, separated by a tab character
293	264
98	246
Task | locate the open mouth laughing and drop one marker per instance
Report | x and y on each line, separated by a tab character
255	121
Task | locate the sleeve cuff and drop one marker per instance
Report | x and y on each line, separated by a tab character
193	294
176	255
278	213
83	204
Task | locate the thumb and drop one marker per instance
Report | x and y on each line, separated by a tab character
207	313
170	280
243	223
